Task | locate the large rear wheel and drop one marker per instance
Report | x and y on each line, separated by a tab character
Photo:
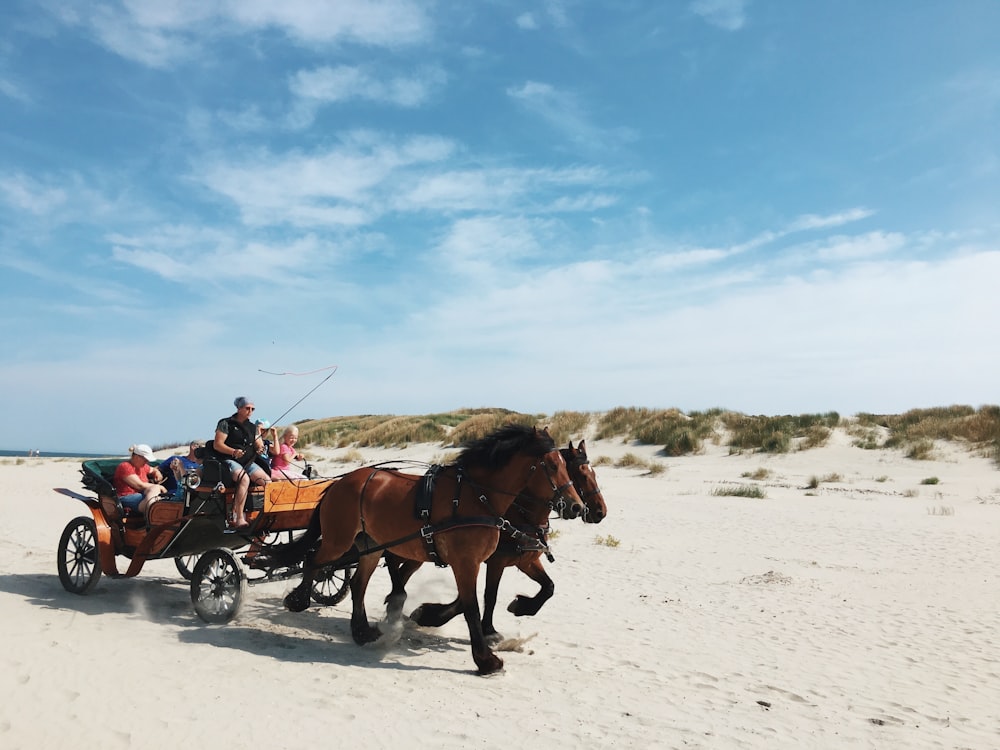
218	585
330	585
78	563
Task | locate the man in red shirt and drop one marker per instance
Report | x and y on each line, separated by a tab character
132	480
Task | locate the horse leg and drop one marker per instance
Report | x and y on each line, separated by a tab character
430	615
529	605
400	571
466	571
297	600
494	572
361	630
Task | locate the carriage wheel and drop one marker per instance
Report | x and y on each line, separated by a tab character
330	585
185	565
217	586
79	568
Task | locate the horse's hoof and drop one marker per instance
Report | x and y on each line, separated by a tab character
296	602
429	615
520	606
368	634
489	664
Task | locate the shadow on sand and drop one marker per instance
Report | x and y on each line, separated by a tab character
263	627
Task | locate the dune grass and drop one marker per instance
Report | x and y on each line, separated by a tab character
675	432
740	490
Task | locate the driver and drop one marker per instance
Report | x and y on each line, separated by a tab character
238	443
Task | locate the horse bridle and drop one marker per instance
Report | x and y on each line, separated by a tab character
558	501
584	494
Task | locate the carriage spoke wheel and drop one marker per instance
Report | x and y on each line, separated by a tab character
185	565
217	586
330	585
79	568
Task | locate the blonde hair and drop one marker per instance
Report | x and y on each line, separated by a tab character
290	430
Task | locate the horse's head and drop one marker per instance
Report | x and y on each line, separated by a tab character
554	482
525	458
585	480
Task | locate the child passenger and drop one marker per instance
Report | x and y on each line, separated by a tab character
283	452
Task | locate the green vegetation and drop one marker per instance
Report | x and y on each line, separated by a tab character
370	430
740	490
814	481
759	473
678	434
607	541
914	430
930	480
776	434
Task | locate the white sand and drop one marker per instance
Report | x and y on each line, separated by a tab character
860	615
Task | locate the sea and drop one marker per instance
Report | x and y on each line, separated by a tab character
26	453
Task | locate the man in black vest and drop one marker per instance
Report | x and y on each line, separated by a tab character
238	444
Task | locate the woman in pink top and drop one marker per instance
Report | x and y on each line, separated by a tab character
283	452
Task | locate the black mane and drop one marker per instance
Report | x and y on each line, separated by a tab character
499	447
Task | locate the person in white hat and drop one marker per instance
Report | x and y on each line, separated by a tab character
136	482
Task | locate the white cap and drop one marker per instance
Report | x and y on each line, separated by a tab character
143	450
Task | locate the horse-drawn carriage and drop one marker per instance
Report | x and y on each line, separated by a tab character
502	486
190	528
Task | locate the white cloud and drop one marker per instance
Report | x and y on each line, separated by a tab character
347	82
162	33
377	22
527	21
486	245
564	113
28	194
812	221
332	187
12	91
726	14
860	247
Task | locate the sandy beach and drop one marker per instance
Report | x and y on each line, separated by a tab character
860	613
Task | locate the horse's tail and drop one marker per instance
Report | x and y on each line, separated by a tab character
295	551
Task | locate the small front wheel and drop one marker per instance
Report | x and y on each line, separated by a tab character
330	585
185	565
218	585
78	562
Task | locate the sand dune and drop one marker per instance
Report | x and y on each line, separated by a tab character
860	613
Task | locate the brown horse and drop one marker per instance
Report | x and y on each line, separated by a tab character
529	516
372	509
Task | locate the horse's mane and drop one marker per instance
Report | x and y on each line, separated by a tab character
499	447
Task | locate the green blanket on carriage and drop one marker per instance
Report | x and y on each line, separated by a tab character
98	473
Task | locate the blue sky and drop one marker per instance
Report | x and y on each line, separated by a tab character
773	207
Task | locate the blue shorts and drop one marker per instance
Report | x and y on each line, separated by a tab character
131	501
235	469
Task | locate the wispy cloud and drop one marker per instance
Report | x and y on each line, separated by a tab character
12	90
347	82
212	258
29	194
812	221
331	187
726	14
161	34
562	111
344	83
860	247
527	21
